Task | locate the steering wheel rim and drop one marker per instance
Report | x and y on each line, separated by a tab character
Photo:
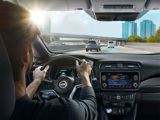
74	88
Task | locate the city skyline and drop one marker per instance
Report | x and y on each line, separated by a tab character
147	29
129	28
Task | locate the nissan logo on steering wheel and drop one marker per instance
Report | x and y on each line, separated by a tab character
63	84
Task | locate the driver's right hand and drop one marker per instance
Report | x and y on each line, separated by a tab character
84	70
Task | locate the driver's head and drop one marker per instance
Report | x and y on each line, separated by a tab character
18	32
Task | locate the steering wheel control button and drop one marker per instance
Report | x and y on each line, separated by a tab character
135	77
114	111
104	78
104	85
108	110
63	84
135	85
45	96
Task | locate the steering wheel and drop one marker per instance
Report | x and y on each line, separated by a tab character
63	86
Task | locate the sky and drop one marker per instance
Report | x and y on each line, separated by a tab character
153	15
78	22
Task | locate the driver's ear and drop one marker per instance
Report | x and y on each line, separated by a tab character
26	56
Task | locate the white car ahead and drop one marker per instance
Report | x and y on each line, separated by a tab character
110	44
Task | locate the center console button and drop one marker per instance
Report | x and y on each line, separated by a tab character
122	104
122	111
119	111
135	85
114	104
114	97
109	110
114	111
130	97
104	78
118	97
110	97
105	103
127	110
104	85
135	77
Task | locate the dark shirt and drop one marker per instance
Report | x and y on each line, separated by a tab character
58	108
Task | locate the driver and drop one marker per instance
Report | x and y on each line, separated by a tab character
19	33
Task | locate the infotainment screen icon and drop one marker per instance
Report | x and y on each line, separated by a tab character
119	80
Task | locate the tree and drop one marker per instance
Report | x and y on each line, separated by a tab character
145	39
136	38
158	33
153	39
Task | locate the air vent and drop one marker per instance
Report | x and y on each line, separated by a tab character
118	6
131	65
119	66
108	65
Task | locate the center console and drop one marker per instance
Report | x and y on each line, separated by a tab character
118	103
122	101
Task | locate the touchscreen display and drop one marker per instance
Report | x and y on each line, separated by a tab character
119	79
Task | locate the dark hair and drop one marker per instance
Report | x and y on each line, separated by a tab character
18	32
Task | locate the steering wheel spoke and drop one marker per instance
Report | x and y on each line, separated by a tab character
76	87
47	94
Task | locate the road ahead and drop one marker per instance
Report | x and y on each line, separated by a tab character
135	48
117	49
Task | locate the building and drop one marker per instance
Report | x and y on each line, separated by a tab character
147	29
128	29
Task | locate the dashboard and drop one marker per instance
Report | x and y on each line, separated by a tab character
123	84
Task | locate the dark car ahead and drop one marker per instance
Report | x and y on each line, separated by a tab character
93	45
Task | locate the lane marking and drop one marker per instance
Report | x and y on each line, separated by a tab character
111	50
119	51
105	50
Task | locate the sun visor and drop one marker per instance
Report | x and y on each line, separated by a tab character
55	5
152	5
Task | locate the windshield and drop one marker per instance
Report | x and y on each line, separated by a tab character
71	31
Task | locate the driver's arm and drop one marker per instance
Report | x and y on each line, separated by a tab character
38	76
86	107
84	71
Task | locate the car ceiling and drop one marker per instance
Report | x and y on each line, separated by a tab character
103	10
